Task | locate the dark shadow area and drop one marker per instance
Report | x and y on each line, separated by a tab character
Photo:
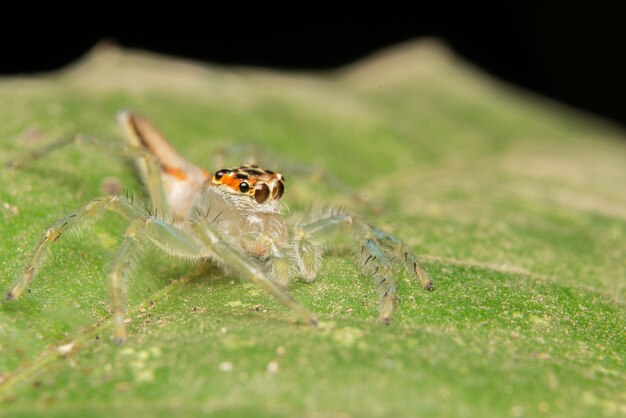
572	53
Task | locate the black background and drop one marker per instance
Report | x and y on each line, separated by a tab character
574	53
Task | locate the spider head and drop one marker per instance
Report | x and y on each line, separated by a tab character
251	182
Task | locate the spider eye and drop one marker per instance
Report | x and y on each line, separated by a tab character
244	187
279	189
261	193
220	174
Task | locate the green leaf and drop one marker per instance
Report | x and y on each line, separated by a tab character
517	206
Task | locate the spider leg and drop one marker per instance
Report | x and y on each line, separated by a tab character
307	254
76	221
246	153
146	161
46	149
154	184
323	176
372	254
172	181
375	263
408	257
278	260
167	237
248	269
281	263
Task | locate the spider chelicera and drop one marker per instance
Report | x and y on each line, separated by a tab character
232	217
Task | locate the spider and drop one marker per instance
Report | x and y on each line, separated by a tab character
233	218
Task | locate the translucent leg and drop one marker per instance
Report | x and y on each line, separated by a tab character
248	269
137	131
408	257
281	263
307	254
168	238
375	263
151	172
372	254
78	220
43	151
120	270
238	154
278	260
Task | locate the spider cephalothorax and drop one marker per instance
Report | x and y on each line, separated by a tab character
232	218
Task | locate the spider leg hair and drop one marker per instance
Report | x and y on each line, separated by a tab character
278	260
375	263
408	257
44	150
372	254
307	254
246	153
154	183
149	165
166	237
247	268
76	222
171	180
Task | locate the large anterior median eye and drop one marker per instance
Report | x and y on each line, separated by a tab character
261	193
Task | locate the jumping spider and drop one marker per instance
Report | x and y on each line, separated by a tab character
232	217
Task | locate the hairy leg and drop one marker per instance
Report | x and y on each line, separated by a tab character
149	167
76	221
172	181
304	258
168	238
246	267
46	149
375	263
408	257
307	254
372	254
277	258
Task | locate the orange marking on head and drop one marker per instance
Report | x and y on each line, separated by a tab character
260	184
176	172
231	180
